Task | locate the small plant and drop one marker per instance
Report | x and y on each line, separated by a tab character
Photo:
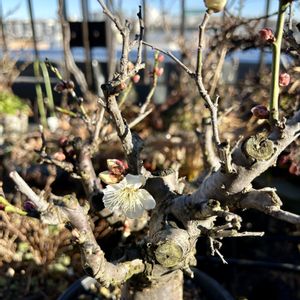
11	104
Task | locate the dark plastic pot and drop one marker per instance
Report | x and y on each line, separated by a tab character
80	287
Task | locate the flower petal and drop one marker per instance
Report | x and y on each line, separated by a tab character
147	199
111	198
109	178
116	166
111	188
135	181
118	186
136	213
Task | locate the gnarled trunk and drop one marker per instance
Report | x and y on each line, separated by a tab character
168	287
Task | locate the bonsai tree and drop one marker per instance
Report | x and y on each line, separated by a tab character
153	267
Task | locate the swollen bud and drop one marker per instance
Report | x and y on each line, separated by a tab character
63	141
136	78
29	206
267	35
284	79
116	166
260	112
294	169
158	71
122	86
215	5
70	85
161	58
60	87
59	156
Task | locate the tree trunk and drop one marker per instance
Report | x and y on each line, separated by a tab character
168	287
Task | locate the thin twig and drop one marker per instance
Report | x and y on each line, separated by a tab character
141	35
114	19
201	42
64	165
132	143
276	49
221	257
213	107
225	156
98	126
234	233
125	94
218	70
211	160
133	123
291	16
154	85
172	56
70	63
40	204
124	31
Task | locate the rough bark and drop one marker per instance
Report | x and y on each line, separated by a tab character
168	287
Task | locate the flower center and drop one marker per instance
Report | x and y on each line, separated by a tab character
130	195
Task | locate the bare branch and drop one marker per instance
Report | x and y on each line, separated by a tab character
141	35
232	188
64	165
124	31
213	108
99	124
133	123
173	57
111	16
40	204
223	187
211	160
225	156
153	87
67	209
132	144
267	201
201	43
218	70
71	65
235	233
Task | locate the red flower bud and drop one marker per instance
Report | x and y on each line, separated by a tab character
161	58
267	35
60	87
116	166
29	206
136	78
283	160
260	112
122	86
159	71
284	79
59	156
70	85
294	169
63	141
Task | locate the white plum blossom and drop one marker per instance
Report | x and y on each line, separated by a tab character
128	197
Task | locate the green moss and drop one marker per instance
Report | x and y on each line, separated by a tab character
11	104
